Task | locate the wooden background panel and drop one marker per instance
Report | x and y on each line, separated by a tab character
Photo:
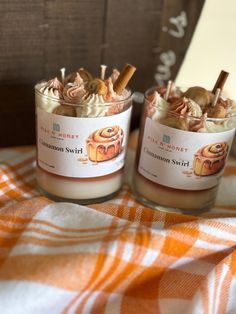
131	35
73	35
21	53
38	37
21	64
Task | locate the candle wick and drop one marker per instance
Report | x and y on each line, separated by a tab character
216	97
63	73
168	90
103	71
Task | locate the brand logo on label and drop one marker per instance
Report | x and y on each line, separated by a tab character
56	127
166	138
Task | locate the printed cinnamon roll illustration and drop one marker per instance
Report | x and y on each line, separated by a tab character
210	159
105	144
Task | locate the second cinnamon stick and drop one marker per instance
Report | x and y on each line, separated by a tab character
220	81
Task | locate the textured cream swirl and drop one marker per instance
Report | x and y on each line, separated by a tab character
175	93
185	106
214	127
111	95
53	88
227	123
92	106
199	125
114	76
51	93
156	107
231	108
78	80
73	92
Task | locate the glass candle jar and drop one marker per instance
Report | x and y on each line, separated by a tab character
81	150
180	158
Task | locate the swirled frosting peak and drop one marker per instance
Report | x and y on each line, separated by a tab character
50	94
52	88
78	80
115	75
158	101
111	94
92	105
175	93
199	125
186	106
157	106
73	92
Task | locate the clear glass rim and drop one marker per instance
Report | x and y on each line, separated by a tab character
80	104
150	90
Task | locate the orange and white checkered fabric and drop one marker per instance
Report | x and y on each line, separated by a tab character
114	257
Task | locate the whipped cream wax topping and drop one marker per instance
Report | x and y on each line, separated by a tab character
182	112
92	105
156	106
53	88
51	92
90	96
74	92
186	106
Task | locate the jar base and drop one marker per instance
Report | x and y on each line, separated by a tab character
171	200
56	198
153	205
77	190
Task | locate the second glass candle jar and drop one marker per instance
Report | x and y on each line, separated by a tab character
181	157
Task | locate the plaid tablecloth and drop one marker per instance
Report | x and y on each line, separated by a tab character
114	257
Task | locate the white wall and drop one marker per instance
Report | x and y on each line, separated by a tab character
213	48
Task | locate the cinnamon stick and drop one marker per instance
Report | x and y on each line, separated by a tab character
123	78
220	81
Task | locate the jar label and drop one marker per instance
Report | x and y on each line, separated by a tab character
82	147
183	160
